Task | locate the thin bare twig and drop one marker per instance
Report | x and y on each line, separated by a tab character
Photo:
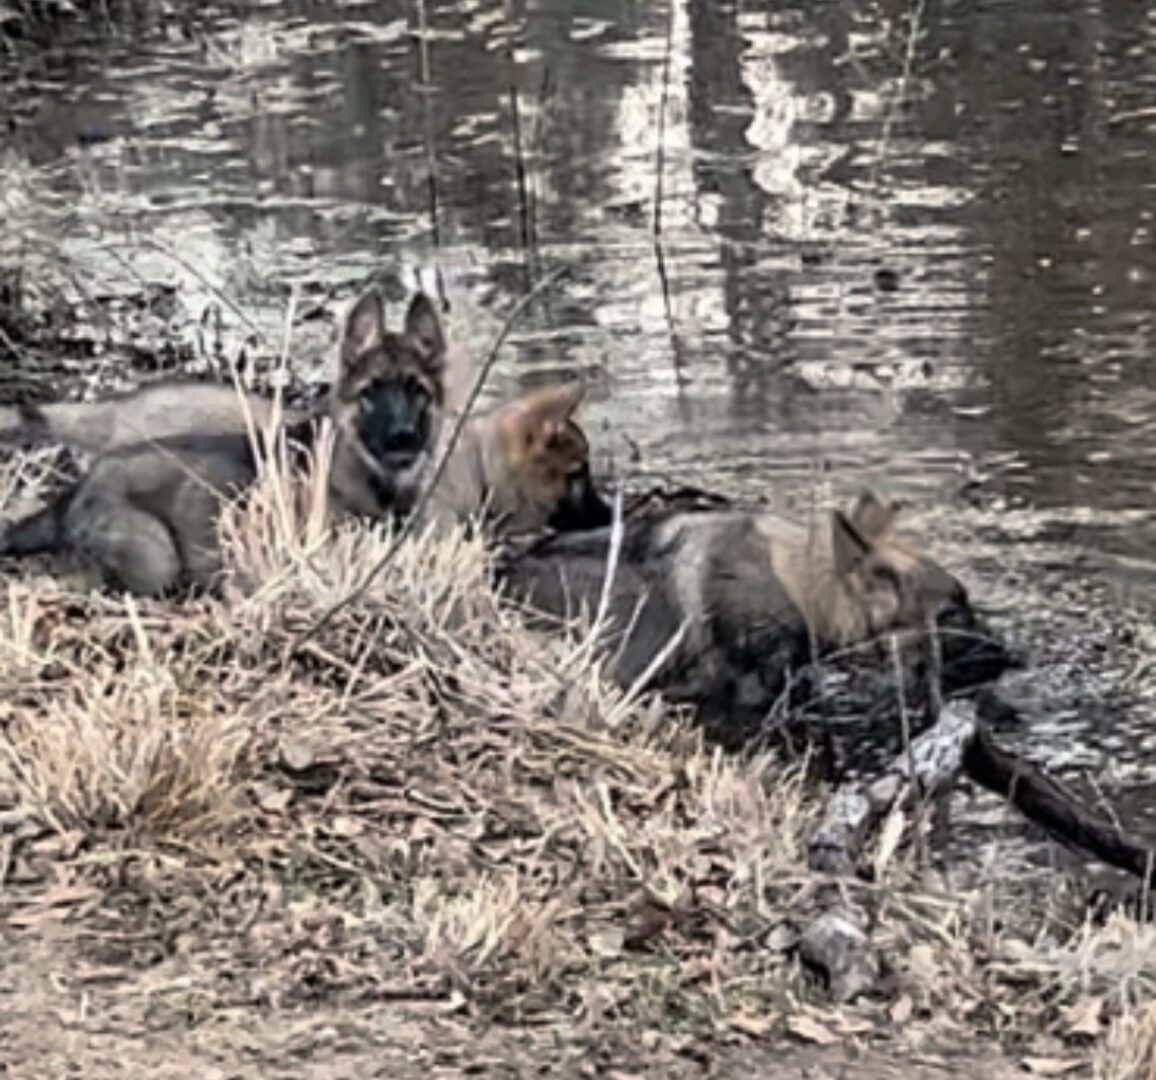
659	176
905	729
431	165
901	93
882	144
617	532
525	212
636	688
415	514
585	649
16	350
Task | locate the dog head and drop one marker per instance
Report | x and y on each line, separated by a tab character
391	387
544	476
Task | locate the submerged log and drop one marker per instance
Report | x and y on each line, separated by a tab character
1043	800
928	771
959	743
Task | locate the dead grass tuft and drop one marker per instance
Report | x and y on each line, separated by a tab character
96	741
127	751
1129	1050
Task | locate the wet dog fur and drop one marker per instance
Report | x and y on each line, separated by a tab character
756	598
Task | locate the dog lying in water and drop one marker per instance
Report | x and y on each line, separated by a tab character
755	598
146	513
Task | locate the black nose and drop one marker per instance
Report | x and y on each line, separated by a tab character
581	507
971	653
395	420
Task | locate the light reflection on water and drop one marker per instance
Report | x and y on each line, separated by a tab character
922	282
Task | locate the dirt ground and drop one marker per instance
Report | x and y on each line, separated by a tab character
65	1013
58	1021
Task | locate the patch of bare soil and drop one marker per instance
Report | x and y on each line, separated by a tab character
65	1017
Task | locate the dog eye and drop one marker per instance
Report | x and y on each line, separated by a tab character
883	577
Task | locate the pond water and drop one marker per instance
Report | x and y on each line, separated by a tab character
904	242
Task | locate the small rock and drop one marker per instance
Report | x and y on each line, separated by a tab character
296	754
271	799
843	952
607	943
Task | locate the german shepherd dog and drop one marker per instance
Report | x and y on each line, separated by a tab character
755	596
523	467
145	515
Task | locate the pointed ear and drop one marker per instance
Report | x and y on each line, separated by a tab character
424	328
364	328
570	397
873	516
851	547
557	403
539	415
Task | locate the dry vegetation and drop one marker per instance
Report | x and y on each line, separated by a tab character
1129	1051
430	819
431	840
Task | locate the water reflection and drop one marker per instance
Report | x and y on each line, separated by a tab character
920	273
870	267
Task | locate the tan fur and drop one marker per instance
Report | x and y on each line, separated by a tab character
514	462
369	351
854	577
756	598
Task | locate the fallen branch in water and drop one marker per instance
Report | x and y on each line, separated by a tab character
928	769
1043	800
960	743
836	942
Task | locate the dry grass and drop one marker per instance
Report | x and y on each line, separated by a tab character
1129	1051
143	749
430	802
